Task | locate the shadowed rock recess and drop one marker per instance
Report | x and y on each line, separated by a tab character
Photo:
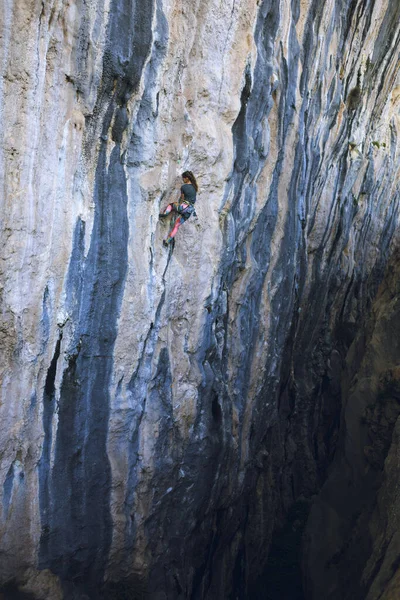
220	420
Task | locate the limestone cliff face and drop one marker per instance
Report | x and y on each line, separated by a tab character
162	410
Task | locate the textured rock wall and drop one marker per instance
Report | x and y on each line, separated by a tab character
352	538
162	410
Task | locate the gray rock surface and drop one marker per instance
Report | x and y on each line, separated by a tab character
163	410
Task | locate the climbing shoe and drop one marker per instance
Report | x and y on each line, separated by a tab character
162	215
165	243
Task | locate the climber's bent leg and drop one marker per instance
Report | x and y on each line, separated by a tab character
168	209
175	226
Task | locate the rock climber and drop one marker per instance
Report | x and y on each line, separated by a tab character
184	208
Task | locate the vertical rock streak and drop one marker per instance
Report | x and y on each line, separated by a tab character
77	525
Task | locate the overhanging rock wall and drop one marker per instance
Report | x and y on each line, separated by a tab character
162	410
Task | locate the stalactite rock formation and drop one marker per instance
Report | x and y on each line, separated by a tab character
162	409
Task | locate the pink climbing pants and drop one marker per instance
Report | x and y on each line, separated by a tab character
181	214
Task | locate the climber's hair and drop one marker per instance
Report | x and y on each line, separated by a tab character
189	175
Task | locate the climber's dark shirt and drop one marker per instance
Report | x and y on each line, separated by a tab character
189	192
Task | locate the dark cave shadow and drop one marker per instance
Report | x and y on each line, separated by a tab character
10	592
282	576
